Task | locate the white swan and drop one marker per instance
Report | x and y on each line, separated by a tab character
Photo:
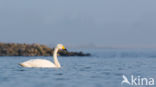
42	63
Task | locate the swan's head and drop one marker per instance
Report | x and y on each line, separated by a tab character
61	47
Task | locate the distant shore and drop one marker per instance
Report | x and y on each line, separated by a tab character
14	49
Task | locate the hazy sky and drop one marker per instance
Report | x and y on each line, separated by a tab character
79	22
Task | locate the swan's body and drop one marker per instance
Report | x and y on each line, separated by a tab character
42	63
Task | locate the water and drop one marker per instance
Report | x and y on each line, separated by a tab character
104	69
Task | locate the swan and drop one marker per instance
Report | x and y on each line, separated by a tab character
42	63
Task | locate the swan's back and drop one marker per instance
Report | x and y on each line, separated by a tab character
39	63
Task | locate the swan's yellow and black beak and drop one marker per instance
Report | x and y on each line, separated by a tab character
64	48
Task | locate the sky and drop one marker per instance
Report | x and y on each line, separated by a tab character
100	23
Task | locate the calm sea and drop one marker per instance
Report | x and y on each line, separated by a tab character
103	69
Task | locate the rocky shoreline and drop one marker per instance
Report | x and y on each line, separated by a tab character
13	49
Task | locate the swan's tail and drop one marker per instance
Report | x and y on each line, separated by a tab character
21	64
24	65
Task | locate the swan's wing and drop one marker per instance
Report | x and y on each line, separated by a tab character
38	63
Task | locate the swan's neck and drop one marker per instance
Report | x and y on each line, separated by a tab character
55	58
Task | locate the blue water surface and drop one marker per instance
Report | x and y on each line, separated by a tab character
103	69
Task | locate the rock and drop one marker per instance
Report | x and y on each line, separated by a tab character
12	49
